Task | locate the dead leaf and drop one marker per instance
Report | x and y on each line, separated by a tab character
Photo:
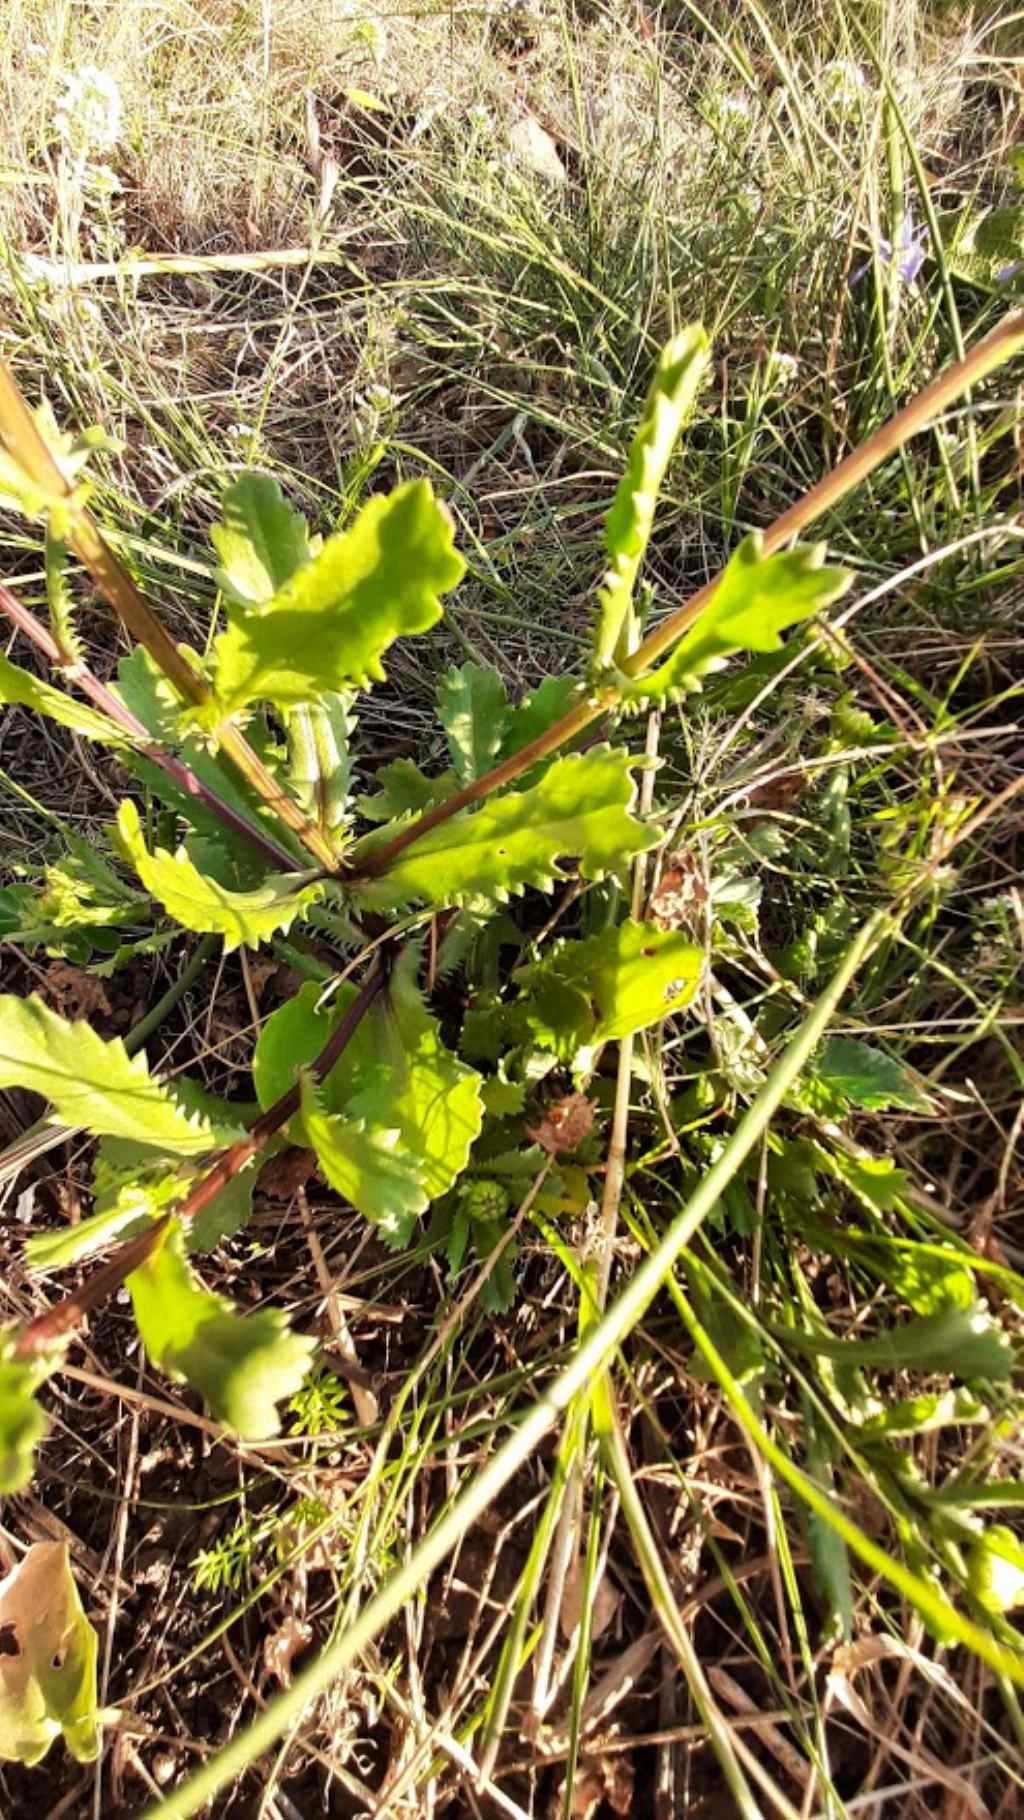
566	1122
283	1175
75	993
282	1646
47	1660
600	1781
680	895
604	1598
532	146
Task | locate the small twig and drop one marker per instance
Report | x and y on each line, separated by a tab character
59	1320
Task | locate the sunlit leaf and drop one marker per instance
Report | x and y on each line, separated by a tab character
367	1164
579	809
920	1415
22	1422
20	689
609	985
630	519
197	901
755	600
328	628
995	1569
242	1365
261	542
48	1660
93	1083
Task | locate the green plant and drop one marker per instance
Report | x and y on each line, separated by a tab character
246	757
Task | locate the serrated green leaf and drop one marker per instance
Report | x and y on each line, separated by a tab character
923	1414
848	1072
22	1422
630	519
610	985
151	699
395	1072
405	791
366	1164
242	1365
418	1083
19	689
59	597
756	599
320	762
48	1665
198	902
503	1098
473	708
328	628
94	1083
579	809
261	542
538	711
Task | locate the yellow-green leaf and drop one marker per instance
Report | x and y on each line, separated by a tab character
197	901
609	985
242	1365
94	1083
367	1164
21	690
328	628
756	599
261	542
48	1660
631	517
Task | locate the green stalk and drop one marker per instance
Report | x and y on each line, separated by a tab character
591	1356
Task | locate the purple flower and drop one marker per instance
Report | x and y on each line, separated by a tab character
910	253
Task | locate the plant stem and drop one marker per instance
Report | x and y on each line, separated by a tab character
486	1484
1005	339
24	442
108	703
59	1320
